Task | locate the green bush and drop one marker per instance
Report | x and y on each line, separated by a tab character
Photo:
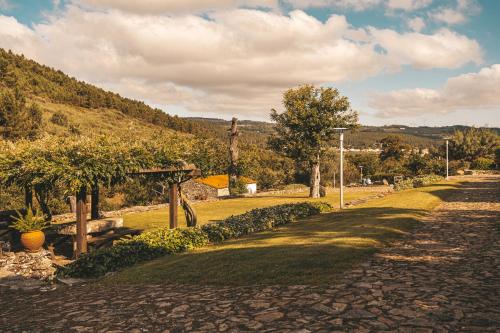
421	181
153	244
403	184
239	187
147	246
426	180
60	119
261	219
483	163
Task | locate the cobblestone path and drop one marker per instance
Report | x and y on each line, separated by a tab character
445	277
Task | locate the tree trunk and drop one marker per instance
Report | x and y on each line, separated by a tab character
315	179
94	210
233	155
42	198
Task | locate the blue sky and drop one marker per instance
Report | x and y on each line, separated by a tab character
414	62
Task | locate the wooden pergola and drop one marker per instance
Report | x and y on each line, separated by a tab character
176	176
173	175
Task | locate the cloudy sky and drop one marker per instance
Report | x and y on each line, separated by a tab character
414	62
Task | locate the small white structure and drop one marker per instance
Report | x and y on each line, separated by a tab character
214	187
252	188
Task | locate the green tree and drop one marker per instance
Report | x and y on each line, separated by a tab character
369	161
306	128
393	147
17	120
473	143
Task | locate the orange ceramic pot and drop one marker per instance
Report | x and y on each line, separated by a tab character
33	240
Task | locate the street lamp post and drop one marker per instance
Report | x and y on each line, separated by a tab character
361	174
341	139
447	169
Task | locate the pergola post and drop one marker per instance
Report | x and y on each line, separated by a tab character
28	197
94	208
173	201
81	222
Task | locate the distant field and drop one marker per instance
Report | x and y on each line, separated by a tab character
217	210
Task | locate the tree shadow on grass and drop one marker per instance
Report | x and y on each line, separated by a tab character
472	191
315	251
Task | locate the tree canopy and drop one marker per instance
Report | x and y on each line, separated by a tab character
473	143
306	128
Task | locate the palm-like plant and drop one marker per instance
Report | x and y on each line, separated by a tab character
32	221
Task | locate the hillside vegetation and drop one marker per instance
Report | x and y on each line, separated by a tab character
34	79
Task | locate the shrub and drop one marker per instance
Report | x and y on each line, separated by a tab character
403	184
261	219
147	246
422	181
32	221
153	244
426	180
483	163
239	187
60	119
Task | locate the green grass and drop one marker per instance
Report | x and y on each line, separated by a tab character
218	210
99	122
311	251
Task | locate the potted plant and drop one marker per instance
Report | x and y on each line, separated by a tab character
31	226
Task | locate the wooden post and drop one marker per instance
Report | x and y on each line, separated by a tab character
233	154
81	222
173	201
94	210
28	197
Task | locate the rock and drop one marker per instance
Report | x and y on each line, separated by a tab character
338	322
358	314
269	316
180	308
71	281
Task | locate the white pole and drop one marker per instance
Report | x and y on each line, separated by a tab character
341	170
446	159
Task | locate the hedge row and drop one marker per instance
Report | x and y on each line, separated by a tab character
416	182
160	242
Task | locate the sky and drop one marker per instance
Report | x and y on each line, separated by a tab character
410	62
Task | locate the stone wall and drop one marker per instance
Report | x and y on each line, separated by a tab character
196	191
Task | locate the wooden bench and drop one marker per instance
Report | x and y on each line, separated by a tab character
100	233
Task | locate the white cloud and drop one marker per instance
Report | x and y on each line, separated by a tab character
408	5
231	61
359	5
443	49
416	24
5	5
456	15
345	4
472	91
176	6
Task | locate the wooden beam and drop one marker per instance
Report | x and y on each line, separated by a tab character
173	201
81	222
94	201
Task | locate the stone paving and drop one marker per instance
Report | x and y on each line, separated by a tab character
445	277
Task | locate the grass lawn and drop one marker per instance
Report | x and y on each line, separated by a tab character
217	210
311	251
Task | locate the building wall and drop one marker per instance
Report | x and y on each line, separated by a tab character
197	191
252	188
223	192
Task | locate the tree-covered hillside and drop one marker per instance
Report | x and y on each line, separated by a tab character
36	80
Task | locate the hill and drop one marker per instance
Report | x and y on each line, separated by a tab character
50	87
256	132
